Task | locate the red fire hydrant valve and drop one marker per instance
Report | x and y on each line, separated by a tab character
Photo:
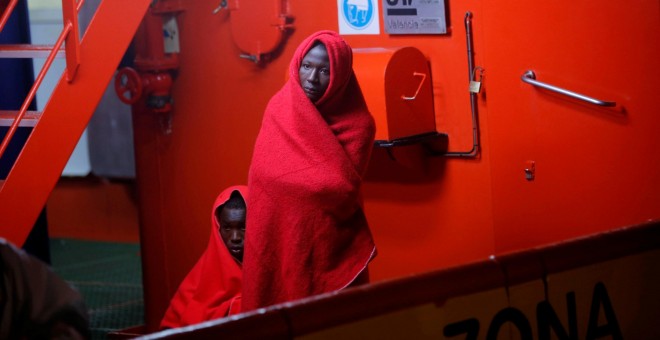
130	86
158	88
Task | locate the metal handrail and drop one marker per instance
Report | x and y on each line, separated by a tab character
70	35
7	13
33	91
530	78
14	51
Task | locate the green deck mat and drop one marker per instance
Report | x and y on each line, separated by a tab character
109	277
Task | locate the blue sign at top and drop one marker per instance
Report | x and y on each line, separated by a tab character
358	13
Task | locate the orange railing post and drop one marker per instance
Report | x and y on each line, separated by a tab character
70	16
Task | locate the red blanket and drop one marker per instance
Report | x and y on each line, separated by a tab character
306	231
212	289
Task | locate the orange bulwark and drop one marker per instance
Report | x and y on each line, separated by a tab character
558	289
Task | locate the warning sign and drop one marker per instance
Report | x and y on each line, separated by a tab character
414	16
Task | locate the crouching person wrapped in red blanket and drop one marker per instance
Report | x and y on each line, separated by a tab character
212	289
307	233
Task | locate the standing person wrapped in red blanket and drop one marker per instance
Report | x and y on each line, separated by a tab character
212	289
307	233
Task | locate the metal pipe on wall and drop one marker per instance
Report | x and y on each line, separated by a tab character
473	96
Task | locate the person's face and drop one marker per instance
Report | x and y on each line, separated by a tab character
314	72
232	230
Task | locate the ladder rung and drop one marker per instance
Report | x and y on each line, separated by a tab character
28	51
30	118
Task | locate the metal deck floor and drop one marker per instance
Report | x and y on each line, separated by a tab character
108	275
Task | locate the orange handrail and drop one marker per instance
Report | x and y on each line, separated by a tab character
7	13
70	35
28	51
33	91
